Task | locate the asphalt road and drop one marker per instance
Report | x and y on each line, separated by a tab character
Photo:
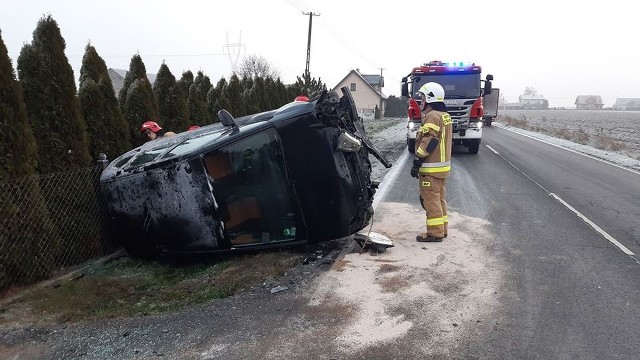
563	231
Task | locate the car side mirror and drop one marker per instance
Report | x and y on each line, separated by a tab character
487	85
226	118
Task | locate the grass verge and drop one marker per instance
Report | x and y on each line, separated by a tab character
126	287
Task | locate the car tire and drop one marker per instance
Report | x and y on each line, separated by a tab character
487	122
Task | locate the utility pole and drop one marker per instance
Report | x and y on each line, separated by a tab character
306	70
380	85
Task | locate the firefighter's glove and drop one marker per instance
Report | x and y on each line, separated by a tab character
417	162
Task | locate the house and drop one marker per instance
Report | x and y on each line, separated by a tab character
117	78
533	102
366	91
627	104
589	102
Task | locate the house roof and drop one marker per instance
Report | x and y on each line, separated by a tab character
625	101
123	73
531	97
357	73
374	80
588	99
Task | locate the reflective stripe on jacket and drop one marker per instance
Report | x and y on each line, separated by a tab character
435	124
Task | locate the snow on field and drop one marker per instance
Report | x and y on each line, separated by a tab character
595	127
610	156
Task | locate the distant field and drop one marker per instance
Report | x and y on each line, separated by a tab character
605	129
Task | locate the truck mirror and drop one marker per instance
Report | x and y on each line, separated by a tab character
405	89
489	77
487	86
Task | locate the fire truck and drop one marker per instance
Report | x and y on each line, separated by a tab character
464	91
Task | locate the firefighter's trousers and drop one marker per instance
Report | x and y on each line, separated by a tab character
432	198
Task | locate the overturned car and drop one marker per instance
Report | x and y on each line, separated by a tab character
297	174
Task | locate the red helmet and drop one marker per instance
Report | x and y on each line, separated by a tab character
193	127
301	98
151	125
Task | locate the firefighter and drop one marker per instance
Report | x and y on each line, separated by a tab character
154	131
432	163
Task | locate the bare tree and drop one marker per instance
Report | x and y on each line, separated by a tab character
254	66
529	90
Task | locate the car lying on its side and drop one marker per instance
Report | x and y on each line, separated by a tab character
297	174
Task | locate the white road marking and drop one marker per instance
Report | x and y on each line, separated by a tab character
389	179
597	228
492	149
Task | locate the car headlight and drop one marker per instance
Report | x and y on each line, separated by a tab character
475	125
349	143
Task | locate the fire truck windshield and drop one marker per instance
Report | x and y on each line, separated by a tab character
456	86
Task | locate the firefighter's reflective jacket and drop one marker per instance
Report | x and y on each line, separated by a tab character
437	162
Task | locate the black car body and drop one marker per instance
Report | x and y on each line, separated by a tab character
270	179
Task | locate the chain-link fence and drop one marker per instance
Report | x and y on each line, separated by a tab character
49	223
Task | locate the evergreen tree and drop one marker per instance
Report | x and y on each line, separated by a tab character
198	100
26	232
233	92
18	149
108	130
50	96
396	107
186	81
308	86
172	102
140	108
137	70
212	104
257	97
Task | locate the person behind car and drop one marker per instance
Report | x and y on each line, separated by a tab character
432	163
153	131
301	98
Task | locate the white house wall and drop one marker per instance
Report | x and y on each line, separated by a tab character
364	97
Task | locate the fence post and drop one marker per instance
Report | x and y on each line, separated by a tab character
102	160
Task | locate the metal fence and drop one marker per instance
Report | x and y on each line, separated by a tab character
50	223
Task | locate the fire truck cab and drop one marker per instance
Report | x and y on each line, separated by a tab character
464	91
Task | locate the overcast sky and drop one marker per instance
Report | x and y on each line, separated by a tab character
560	48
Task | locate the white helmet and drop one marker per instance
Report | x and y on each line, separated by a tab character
432	92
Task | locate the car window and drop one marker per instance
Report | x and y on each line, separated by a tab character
191	145
252	190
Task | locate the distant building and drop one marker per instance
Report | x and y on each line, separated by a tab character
627	104
589	102
533	102
366	91
117	78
